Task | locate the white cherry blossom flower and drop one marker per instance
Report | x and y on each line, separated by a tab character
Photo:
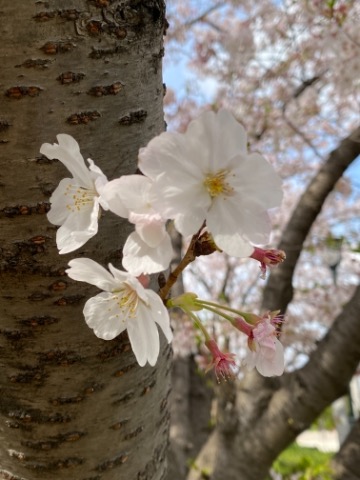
75	203
148	249
124	304
207	174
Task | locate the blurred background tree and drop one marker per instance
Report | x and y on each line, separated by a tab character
290	73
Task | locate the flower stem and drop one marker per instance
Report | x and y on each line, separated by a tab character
222	314
185	261
198	324
206	304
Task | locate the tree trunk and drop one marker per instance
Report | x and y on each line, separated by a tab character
71	405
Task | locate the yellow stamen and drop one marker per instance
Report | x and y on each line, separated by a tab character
216	184
79	197
126	301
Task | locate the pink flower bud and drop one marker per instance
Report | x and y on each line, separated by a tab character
221	362
268	258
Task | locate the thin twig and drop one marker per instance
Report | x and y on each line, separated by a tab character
186	260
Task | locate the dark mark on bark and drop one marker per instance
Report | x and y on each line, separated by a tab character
148	388
19	92
134	433
114	462
102	90
116	350
34	375
69	300
120	424
38	297
36	416
59	357
137	116
13	211
60	464
67	14
4	125
58	286
120	373
67	400
98	53
39	321
35	63
83	117
15	335
52	48
53	442
100	3
67	78
128	396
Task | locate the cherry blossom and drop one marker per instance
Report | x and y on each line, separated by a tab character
265	353
207	175
221	362
268	258
75	203
148	249
124	304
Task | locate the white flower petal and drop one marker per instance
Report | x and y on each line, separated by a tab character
180	197
96	312
256	179
152	232
59	200
78	228
119	275
68	241
111	194
68	152
134	191
139	258
160	314
250	360
220	138
269	367
100	181
144	337
167	148
234	245
229	223
86	270
190	223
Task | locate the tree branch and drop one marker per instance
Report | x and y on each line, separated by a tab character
346	463
278	292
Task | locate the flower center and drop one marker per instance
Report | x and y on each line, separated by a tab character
79	197
216	184
126	300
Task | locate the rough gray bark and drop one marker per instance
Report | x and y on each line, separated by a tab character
259	418
71	405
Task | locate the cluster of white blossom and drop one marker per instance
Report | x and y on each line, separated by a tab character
203	180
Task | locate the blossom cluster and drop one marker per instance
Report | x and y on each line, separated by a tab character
207	183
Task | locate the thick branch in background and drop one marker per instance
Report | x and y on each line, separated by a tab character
278	292
270	413
346	463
